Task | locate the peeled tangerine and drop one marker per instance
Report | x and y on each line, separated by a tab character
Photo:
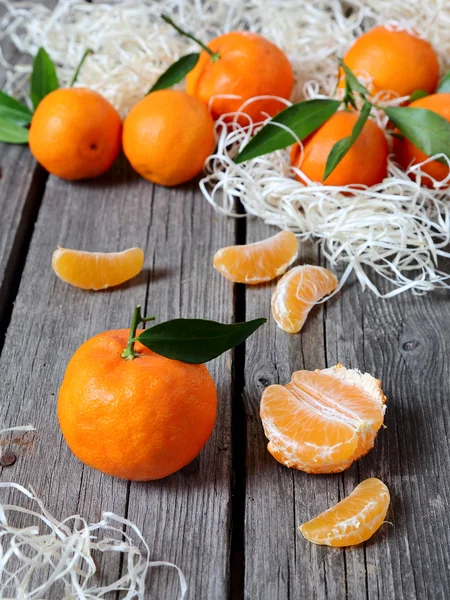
97	270
258	262
324	420
353	520
297	292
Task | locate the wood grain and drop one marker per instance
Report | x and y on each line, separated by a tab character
279	563
187	516
403	341
22	183
184	518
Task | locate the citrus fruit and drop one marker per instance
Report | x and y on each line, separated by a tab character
257	262
97	270
168	136
324	420
394	60
353	520
364	164
297	292
407	154
138	415
75	133
249	66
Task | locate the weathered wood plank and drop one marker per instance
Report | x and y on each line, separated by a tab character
22	183
279	563
403	341
184	518
187	516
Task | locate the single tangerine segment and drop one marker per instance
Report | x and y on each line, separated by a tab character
97	270
353	520
395	60
324	420
297	292
408	154
257	262
364	164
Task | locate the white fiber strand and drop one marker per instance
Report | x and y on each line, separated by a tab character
66	552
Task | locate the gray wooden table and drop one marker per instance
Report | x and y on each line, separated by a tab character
230	522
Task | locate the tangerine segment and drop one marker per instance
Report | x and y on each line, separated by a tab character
324	420
353	520
297	292
257	262
97	270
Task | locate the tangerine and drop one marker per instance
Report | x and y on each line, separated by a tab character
168	136
322	421
248	66
408	154
257	262
364	164
352	520
75	133
395	60
134	415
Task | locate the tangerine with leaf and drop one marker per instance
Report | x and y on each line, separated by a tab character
365	162
408	154
140	405
231	70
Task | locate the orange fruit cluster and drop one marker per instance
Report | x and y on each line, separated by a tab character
76	134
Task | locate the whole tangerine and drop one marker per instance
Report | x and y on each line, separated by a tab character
75	133
364	164
408	154
395	60
248	65
139	418
168	136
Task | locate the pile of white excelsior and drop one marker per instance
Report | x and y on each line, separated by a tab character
397	229
65	551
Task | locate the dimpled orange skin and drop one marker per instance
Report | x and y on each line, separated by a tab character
75	133
138	419
405	151
249	66
364	164
168	136
396	61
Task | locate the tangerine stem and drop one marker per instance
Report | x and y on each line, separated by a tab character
87	53
214	55
129	353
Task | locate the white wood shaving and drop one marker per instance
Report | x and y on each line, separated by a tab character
66	551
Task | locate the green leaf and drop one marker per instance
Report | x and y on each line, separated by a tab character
176	72
302	118
12	133
444	85
424	128
352	81
195	340
13	111
340	148
417	95
43	77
